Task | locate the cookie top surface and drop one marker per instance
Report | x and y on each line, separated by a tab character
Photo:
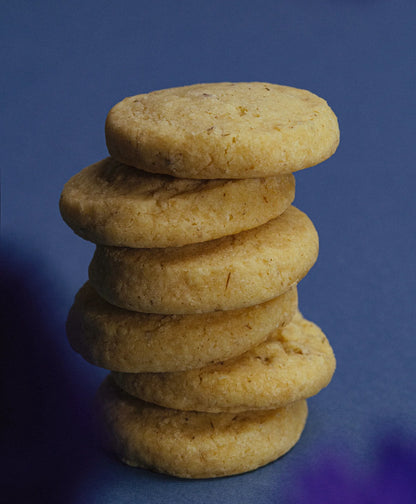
127	341
192	444
113	204
229	273
295	363
223	130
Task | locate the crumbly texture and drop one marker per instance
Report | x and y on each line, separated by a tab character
229	273
223	130
192	444
134	342
296	362
113	204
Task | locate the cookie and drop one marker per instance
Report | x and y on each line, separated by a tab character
113	204
192	444
222	130
229	273
295	363
134	342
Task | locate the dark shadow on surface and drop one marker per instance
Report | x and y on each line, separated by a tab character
45	426
389	477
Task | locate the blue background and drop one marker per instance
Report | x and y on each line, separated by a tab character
64	64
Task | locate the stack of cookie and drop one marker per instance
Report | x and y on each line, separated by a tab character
191	300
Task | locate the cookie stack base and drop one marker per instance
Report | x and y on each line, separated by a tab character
193	444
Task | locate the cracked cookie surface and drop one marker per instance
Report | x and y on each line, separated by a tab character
223	130
134	342
113	204
229	273
295	363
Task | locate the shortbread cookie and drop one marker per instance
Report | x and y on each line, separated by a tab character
296	362
135	342
113	204
192	444
229	273
222	130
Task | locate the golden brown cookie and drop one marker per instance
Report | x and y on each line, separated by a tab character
222	130
113	204
192	444
229	273
135	342
295	363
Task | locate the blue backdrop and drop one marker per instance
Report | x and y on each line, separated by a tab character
64	64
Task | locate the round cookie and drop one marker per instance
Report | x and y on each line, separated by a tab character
229	273
222	130
295	363
113	204
135	342
192	444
